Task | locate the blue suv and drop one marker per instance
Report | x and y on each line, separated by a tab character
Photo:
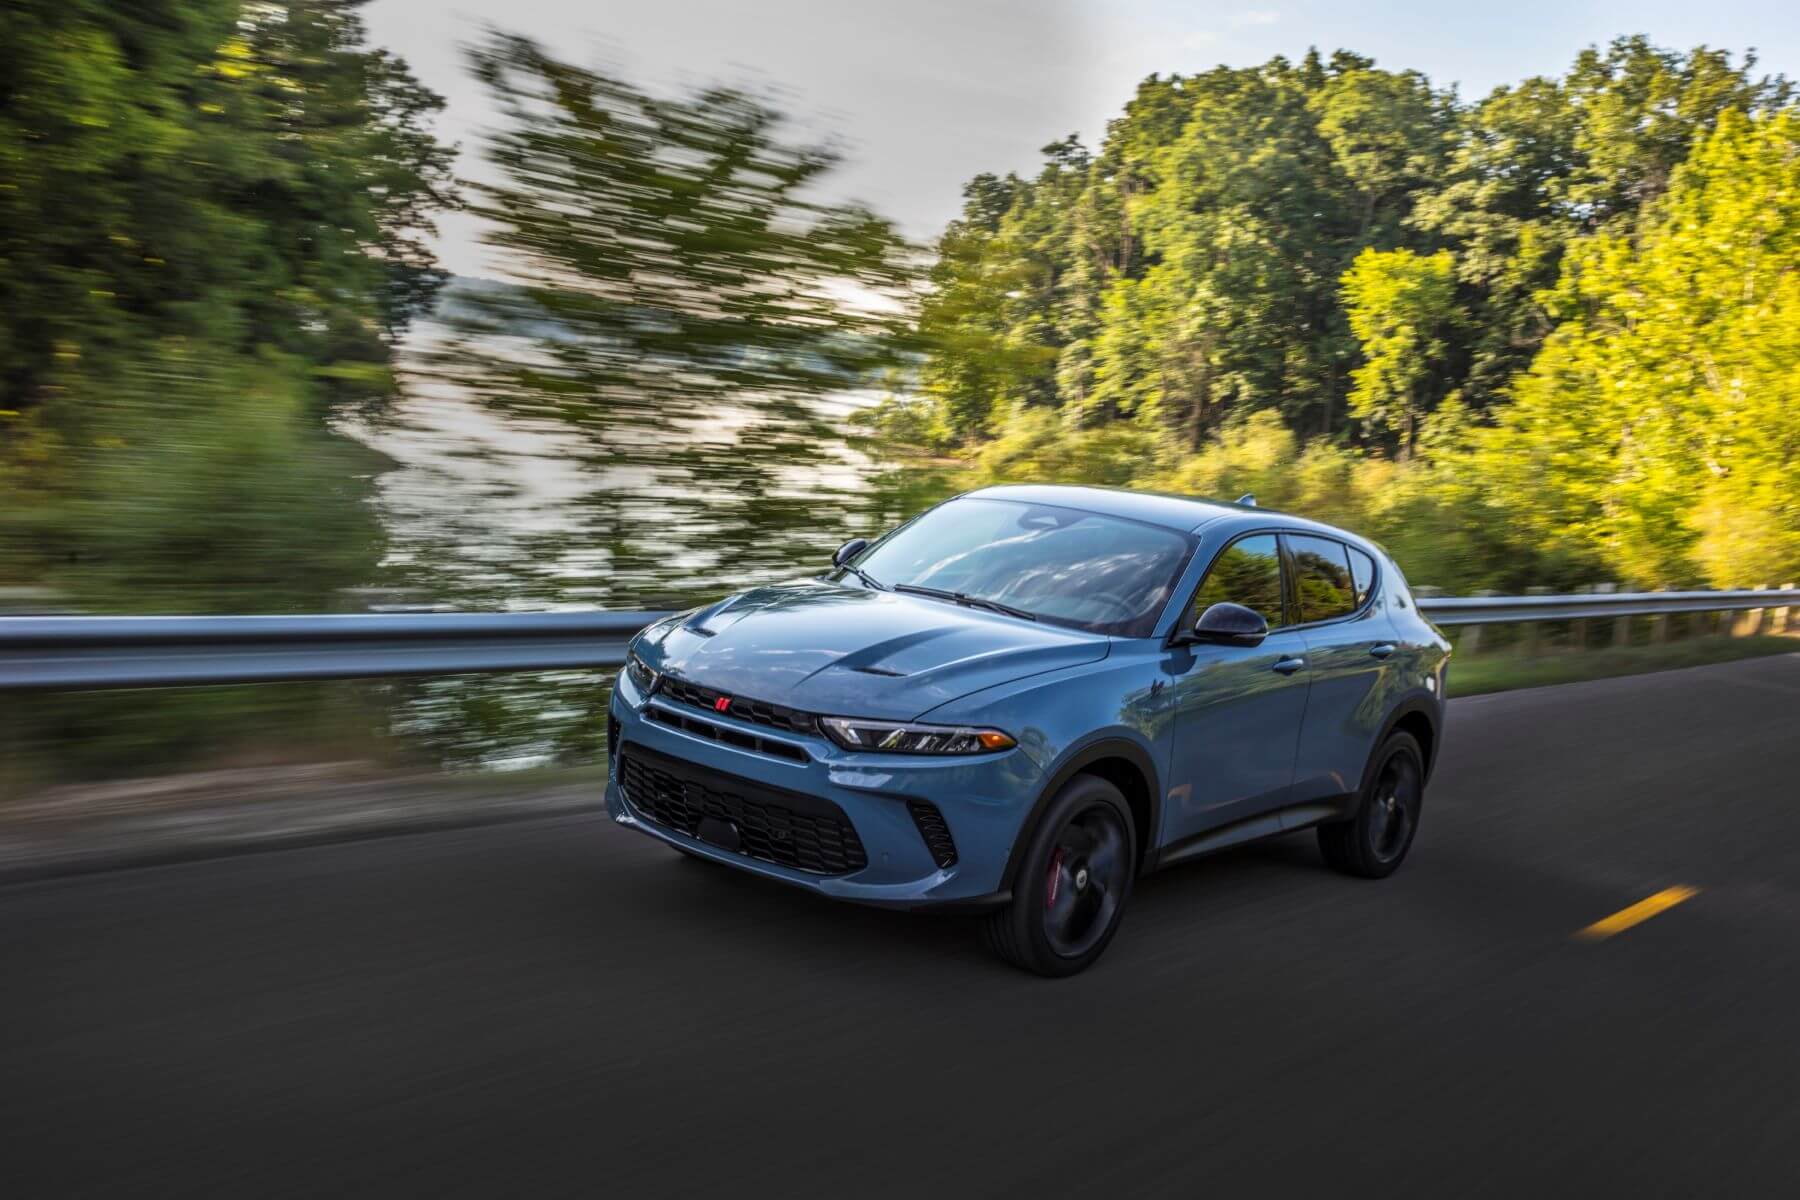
1025	697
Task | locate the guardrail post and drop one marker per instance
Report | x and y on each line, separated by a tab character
1578	627
1531	627
1472	634
1744	623
1786	624
1764	616
1659	626
1621	626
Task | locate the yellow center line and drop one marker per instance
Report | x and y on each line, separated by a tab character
1637	914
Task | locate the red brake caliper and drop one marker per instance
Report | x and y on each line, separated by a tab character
1055	874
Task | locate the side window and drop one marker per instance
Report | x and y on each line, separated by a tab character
1362	573
1322	578
1247	572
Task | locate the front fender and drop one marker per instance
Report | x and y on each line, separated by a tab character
1068	720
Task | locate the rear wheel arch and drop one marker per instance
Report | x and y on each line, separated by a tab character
1418	716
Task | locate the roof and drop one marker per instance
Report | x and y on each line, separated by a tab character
1156	508
1185	513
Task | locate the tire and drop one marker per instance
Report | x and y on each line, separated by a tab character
1373	843
1072	885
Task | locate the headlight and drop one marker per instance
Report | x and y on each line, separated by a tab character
895	737
641	673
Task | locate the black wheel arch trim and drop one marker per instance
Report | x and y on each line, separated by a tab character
1074	764
1427	705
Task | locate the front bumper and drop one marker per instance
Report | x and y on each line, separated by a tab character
984	800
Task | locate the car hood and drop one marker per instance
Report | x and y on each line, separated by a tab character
835	649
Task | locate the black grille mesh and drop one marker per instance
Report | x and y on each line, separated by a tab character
935	832
788	829
759	712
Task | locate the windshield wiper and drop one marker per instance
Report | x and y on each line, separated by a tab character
965	599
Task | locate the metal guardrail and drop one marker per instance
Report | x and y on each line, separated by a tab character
79	653
73	653
1506	610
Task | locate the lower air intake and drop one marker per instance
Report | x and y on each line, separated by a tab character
935	832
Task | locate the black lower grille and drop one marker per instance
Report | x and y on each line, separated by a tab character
935	832
785	828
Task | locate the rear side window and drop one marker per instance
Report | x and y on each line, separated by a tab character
1322	581
1362	574
1247	572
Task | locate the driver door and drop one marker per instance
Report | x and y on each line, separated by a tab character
1238	709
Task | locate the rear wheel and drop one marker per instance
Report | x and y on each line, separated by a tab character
1072	884
1374	842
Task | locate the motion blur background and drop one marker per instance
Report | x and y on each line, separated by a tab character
318	307
340	306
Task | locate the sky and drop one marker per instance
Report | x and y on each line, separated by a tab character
923	94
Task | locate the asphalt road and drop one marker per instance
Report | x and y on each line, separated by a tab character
557	1007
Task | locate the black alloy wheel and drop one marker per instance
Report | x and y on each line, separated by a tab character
1072	884
1373	843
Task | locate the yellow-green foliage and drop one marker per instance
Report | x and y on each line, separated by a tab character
1548	337
1039	446
1660	424
1427	510
1400	306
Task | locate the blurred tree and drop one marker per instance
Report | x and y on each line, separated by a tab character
678	296
213	217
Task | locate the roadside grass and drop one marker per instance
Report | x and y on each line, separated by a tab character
1503	671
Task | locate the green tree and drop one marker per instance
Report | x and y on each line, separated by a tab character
213	217
1660	425
1402	308
1547	161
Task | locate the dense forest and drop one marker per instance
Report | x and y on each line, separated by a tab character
215	223
1547	336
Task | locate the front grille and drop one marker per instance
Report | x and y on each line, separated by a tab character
935	832
786	828
759	712
723	733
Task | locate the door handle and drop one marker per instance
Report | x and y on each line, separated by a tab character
1288	666
1382	650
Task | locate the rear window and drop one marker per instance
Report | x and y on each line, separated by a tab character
1322	580
1362	574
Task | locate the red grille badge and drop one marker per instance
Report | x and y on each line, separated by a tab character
722	704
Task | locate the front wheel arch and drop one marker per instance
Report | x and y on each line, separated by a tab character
1122	763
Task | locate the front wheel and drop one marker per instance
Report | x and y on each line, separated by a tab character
1374	842
1072	884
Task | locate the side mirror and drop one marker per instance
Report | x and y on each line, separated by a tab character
1229	625
848	551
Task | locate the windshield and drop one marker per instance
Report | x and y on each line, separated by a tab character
1104	574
